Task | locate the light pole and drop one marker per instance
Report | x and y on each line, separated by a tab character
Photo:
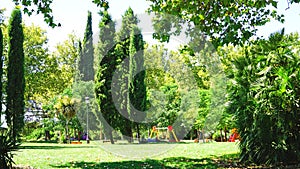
87	101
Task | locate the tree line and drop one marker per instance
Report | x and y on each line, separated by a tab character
262	75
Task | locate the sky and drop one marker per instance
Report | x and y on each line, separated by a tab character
72	14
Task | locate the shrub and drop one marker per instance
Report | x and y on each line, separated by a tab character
7	145
265	94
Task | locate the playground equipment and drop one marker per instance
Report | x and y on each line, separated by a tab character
234	135
155	131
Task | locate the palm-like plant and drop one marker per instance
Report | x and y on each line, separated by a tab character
265	95
67	107
7	146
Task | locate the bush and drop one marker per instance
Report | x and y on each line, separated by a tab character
36	134
265	94
7	145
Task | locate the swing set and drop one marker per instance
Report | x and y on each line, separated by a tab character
169	131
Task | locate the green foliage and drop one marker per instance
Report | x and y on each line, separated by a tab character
104	75
1	69
15	74
39	6
172	105
129	53
264	94
103	91
7	146
66	107
204	108
106	36
129	21
167	90
154	62
137	88
125	57
223	22
81	90
66	56
36	134
41	69
86	61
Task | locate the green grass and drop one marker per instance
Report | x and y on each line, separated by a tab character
105	155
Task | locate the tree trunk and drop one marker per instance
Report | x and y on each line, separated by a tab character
100	134
60	137
47	135
67	132
128	131
221	135
74	130
138	131
111	137
225	134
79	135
203	136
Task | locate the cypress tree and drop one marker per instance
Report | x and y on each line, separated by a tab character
129	20
106	34
105	71
1	69
137	87
132	90
15	75
86	61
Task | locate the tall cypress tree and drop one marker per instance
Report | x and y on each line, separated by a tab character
129	20
1	69
106	68
86	61
15	75
137	87
132	90
106	34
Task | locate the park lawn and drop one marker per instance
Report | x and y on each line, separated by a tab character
121	155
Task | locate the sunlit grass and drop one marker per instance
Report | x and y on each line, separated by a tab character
104	155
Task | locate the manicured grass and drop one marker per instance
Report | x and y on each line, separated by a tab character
121	155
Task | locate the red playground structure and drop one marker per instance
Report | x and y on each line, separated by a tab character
170	131
234	136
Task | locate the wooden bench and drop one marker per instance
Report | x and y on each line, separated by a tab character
76	142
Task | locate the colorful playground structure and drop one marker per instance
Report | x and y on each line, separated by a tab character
169	132
234	135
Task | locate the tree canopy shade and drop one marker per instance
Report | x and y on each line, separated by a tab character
15	74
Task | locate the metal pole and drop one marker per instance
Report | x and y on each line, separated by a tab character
87	120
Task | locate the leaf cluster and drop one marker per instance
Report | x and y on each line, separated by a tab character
264	94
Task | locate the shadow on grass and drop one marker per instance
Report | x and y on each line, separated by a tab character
166	163
159	142
42	141
52	147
